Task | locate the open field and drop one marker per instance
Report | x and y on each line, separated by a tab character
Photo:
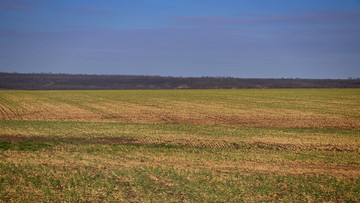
302	108
180	145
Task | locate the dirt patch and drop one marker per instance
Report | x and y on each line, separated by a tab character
100	140
314	147
19	138
113	140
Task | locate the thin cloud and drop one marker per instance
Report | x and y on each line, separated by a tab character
23	6
84	10
319	17
30	6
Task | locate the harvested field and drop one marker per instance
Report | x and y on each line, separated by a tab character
180	145
300	108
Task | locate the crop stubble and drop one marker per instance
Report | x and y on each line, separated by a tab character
278	109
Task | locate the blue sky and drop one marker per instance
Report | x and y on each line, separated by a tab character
237	38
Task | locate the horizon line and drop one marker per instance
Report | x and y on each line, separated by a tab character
168	76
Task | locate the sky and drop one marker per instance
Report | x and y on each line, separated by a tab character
189	38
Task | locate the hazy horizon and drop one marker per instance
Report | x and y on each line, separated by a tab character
317	39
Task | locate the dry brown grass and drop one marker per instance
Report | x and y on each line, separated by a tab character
73	157
261	162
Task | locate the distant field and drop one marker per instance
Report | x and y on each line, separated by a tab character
290	108
180	145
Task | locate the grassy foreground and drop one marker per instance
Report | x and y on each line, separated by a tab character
180	146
